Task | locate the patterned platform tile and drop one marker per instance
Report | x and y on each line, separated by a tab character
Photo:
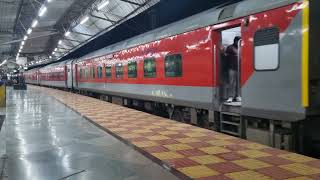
194	152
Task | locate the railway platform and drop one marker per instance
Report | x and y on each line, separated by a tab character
187	151
45	140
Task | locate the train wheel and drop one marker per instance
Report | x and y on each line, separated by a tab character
178	115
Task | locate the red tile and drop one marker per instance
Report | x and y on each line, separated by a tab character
180	163
275	160
277	173
218	177
176	136
315	164
236	147
192	152
273	151
139	139
238	141
149	134
232	156
156	149
226	167
167	141
199	144
315	176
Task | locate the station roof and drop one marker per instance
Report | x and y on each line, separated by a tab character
47	31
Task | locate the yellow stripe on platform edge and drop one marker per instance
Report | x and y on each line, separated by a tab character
305	54
2	95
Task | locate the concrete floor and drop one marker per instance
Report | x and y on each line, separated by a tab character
47	141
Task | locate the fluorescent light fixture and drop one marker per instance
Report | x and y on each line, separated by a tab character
42	11
22	43
103	4
20	50
25	38
49	1
84	20
60	42
53	52
55	49
67	33
50	57
29	31
34	24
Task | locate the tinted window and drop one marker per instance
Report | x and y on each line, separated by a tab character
87	73
119	70
81	73
132	69
99	72
173	65
93	73
149	68
108	71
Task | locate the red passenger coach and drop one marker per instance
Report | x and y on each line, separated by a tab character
258	53
54	75
32	76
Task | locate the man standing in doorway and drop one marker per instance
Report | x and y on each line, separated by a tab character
232	55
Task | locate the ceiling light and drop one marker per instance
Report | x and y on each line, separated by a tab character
49	1
59	42
29	31
42	11
55	49
20	50
22	43
102	5
67	33
84	20
50	57
53	52
35	23
25	38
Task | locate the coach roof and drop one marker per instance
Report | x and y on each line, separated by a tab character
206	18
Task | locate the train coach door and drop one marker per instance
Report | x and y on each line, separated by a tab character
228	55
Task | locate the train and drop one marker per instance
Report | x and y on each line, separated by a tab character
179	71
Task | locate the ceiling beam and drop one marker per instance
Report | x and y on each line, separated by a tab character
131	2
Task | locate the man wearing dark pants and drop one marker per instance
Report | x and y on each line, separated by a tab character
232	56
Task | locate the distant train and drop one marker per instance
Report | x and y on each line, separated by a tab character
179	70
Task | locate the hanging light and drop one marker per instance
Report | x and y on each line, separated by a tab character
34	24
42	11
84	20
67	33
29	31
103	4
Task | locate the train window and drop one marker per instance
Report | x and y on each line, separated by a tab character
132	69
173	65
99	72
149	68
93	73
108	71
87	73
266	49
81	75
119	70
